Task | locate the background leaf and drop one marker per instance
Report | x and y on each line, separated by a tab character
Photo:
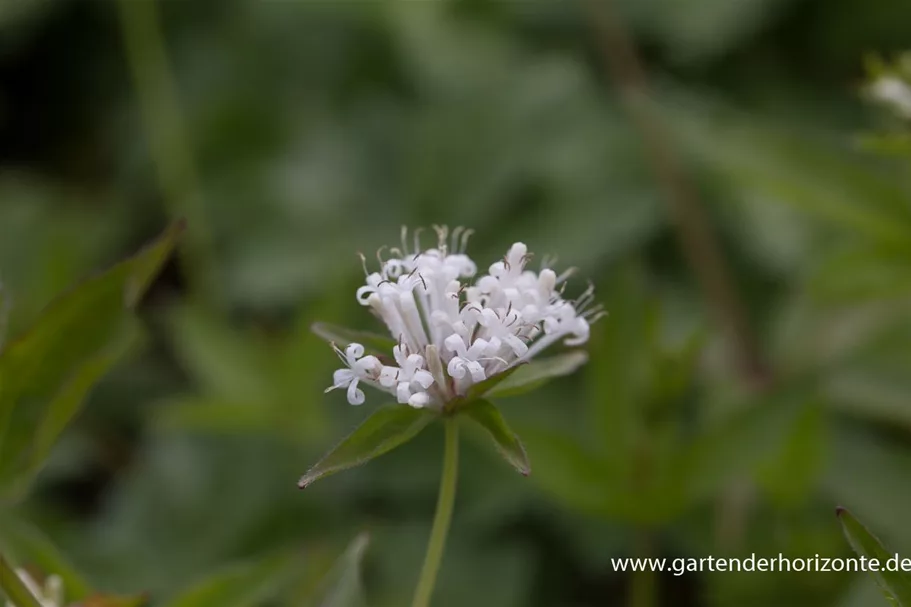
29	546
240	585
342	586
47	372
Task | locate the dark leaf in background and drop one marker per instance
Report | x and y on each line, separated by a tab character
342	586
51	367
244	585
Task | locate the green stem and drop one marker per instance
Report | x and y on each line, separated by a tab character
13	587
643	586
442	517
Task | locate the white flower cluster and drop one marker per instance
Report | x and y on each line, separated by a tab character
453	333
893	92
51	595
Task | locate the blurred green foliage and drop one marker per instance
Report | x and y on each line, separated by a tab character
314	130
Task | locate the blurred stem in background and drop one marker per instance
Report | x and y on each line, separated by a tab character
644	586
694	230
697	239
157	98
442	517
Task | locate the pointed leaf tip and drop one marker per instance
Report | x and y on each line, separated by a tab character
387	428
486	415
895	585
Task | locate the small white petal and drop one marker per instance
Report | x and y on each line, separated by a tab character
419	400
477	371
423	378
355	396
354	350
403	393
389	376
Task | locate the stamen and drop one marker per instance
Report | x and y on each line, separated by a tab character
454	247
417	240
339	353
465	236
566	274
404	237
442	233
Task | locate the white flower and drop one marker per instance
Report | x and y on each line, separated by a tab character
409	379
367	369
50	595
453	332
894	92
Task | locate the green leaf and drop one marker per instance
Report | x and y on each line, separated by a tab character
244	585
569	470
374	343
740	444
65	405
478	390
387	428
485	414
798	168
790	476
46	372
342	586
106	600
529	376
896	585
222	360
26	544
13	587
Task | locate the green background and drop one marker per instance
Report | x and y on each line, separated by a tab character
294	134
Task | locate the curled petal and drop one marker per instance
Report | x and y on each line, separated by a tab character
580	333
518	346
354	351
413	363
355	396
454	343
423	378
456	367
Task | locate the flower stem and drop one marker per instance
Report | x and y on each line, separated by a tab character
442	517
